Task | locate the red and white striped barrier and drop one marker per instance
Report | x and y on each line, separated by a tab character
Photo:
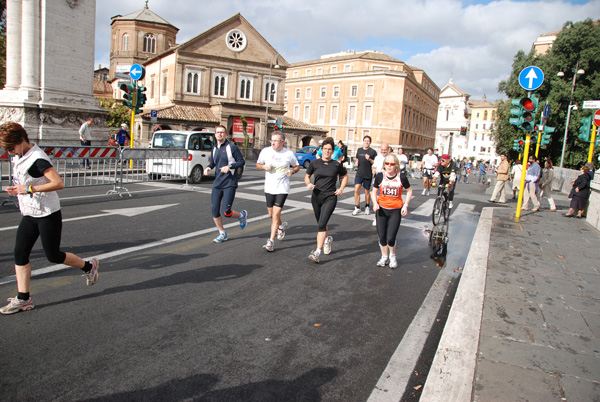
81	152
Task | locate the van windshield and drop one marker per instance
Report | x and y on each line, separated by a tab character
169	140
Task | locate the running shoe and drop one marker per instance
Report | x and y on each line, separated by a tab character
367	211
92	276
374	222
393	262
269	246
450	204
281	231
424	191
15	305
220	238
327	245
382	261
356	211
314	256
427	193
243	219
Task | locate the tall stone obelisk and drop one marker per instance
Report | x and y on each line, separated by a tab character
49	70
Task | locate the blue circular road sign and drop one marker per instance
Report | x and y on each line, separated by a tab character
137	72
531	78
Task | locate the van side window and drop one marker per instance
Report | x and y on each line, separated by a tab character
194	142
207	142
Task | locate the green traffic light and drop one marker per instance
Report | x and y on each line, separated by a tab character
584	130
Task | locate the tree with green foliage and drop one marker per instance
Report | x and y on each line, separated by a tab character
576	46
117	112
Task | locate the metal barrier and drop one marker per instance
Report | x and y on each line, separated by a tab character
97	166
149	164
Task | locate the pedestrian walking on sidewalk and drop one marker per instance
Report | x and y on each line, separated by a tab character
326	173
35	183
546	184
532	177
226	158
502	175
515	173
389	207
85	138
279	164
580	193
482	172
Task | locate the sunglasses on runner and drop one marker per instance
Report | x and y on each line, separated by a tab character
390	164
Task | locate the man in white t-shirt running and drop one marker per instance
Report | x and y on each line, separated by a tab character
430	161
279	165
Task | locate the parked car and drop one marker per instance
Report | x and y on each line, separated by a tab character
306	155
199	145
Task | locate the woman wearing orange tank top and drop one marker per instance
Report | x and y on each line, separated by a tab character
389	207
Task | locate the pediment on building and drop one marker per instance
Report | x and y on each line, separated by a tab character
236	39
451	91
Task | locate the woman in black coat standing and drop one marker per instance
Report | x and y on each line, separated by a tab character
580	193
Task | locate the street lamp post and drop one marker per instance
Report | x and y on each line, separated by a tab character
269	90
571	106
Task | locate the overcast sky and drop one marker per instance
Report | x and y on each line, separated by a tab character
474	42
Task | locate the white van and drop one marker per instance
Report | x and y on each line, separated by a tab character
199	145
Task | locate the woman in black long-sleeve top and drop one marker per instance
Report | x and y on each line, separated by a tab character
580	193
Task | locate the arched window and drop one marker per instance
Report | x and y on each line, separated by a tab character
125	46
149	43
485	114
192	85
246	88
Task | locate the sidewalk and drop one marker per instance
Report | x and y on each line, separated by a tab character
525	321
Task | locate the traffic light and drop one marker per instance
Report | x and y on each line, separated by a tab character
546	135
463	131
528	117
278	124
140	99
128	95
518	145
584	130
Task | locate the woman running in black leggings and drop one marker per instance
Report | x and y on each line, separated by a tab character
35	183
324	197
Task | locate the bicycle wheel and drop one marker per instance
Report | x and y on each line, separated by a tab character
436	215
446	211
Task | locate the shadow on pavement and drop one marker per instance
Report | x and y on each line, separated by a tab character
197	388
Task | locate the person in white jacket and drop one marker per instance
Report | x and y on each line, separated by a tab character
35	183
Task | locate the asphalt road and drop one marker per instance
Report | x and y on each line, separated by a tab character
175	316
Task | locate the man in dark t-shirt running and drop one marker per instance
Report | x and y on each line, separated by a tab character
365	157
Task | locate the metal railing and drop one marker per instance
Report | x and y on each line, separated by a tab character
98	166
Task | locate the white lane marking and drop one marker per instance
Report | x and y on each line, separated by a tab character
60	267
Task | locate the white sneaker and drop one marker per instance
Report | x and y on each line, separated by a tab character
450	204
382	261
356	211
367	211
393	262
269	246
327	245
374	222
281	230
314	256
427	192
424	191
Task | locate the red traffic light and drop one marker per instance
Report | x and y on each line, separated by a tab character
276	128
527	104
126	88
521	142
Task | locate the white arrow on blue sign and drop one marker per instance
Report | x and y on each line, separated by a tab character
137	72
531	78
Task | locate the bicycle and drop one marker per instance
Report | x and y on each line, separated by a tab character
441	207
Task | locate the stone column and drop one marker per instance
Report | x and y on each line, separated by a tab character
30	43
13	44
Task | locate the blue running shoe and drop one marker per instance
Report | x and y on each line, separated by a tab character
221	237
243	219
